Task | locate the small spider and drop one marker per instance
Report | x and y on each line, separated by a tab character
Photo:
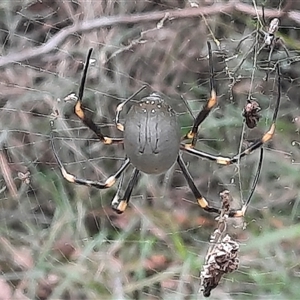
268	40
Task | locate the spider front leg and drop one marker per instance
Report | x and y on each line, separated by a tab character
237	49
203	203
211	102
80	111
262	34
244	58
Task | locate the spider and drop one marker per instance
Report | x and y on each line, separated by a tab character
152	143
269	40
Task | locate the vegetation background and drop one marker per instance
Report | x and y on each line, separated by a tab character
62	241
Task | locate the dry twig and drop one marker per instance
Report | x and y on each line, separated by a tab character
89	25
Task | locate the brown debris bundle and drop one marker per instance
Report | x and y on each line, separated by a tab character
222	254
251	113
221	261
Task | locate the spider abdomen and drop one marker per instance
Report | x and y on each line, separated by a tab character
151	135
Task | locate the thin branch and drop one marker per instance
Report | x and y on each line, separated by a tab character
89	25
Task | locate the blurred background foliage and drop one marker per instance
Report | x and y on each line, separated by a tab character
62	241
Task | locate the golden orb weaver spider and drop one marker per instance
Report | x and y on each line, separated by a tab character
152	142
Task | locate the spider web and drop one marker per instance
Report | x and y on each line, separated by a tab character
62	241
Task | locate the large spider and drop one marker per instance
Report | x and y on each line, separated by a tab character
152	143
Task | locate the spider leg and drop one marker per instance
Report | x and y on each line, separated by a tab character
119	125
119	205
237	49
233	213
110	181
269	61
244	57
80	111
254	44
211	102
279	41
223	160
282	44
255	145
263	14
200	199
241	212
